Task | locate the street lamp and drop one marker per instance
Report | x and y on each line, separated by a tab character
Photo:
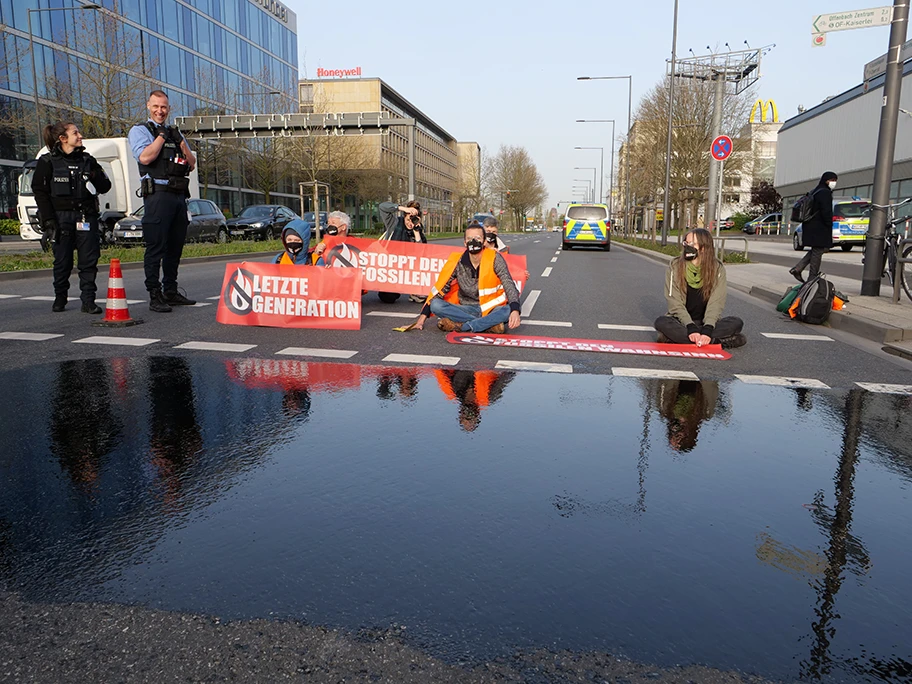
601	165
588	186
589	168
629	124
611	167
87	6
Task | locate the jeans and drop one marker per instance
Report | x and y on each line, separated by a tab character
469	315
676	331
812	258
164	232
88	248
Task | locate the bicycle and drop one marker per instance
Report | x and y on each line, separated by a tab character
892	249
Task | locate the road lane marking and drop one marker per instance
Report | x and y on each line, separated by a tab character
885	388
789	336
117	341
534	241
216	346
808	383
612	326
553	260
198	304
327	353
391	314
47	298
546	272
557	324
216	297
3	296
30	337
529	303
557	252
505	364
654	373
419	358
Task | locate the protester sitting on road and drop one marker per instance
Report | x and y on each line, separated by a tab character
337	224
695	289
296	239
474	292
492	240
473	390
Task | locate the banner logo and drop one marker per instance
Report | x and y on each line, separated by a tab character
238	294
760	107
343	256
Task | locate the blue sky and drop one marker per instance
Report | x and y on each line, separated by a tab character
505	72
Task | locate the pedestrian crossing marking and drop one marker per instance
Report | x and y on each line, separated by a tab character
612	326
117	341
792	336
505	364
654	373
419	358
885	388
325	353
29	337
807	383
216	346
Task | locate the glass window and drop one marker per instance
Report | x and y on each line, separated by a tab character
905	188
894	190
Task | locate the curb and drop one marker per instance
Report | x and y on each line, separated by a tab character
130	266
847	322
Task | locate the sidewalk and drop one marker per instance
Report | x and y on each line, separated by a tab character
874	318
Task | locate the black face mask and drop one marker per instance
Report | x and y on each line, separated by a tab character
332	230
294	248
491	237
690	252
474	246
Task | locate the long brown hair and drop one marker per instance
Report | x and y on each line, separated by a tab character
52	133
709	264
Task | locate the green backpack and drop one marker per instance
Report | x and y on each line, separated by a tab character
788	299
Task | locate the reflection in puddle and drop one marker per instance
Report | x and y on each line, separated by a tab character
486	510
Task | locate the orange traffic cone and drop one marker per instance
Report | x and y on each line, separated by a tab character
116	313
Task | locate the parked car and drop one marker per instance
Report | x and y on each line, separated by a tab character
850	224
727	223
309	220
206	223
763	222
481	216
260	222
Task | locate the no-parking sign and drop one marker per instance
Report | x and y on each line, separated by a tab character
721	148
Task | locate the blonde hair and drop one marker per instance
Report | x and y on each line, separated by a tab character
709	264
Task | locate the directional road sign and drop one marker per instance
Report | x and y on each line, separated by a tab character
818	39
853	19
721	148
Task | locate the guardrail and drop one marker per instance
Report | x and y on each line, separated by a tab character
901	261
722	239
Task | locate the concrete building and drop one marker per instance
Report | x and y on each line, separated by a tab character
208	55
437	173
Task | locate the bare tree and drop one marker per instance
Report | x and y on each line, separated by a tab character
513	173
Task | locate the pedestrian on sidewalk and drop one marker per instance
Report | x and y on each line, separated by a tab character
817	232
696	288
66	184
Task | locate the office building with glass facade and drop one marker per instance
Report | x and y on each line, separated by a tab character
97	67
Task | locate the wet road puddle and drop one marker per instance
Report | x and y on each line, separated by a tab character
761	529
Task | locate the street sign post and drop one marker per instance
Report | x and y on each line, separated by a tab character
853	19
721	148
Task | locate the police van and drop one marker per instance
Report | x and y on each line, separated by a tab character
587	225
850	224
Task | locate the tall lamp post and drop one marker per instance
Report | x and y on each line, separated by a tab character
594	171
587	187
87	6
601	166
627	207
611	165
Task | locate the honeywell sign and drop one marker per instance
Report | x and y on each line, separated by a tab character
338	73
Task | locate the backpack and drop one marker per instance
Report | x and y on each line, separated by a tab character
788	299
803	209
814	301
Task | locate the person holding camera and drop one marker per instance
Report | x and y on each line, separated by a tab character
165	162
403	224
66	184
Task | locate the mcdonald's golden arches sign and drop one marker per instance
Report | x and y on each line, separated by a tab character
761	106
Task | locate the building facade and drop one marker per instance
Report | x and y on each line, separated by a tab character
98	66
436	155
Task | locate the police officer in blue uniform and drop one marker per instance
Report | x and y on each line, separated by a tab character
66	184
165	162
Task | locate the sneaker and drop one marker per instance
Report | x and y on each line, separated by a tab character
157	302
498	329
416	298
59	303
662	339
91	308
796	274
177	299
447	325
733	341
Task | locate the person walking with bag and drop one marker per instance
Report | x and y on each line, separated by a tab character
66	184
817	231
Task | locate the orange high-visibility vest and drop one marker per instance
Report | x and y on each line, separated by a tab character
483	382
490	289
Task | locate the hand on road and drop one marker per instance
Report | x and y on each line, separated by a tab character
419	324
513	323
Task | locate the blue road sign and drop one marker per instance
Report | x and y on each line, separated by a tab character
721	148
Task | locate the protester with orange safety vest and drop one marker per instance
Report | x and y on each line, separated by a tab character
474	292
296	240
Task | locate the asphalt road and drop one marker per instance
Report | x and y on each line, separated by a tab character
568	296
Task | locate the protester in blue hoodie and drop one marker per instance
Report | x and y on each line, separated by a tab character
296	239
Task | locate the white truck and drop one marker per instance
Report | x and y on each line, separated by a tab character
116	158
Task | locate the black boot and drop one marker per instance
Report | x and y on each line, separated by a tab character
59	303
157	302
90	307
796	273
175	298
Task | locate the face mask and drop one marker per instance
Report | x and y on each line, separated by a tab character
295	248
332	230
832	184
491	237
474	246
690	252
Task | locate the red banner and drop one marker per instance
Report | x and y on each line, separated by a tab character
283	296
403	267
689	351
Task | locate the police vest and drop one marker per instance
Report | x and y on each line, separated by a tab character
68	183
167	165
490	289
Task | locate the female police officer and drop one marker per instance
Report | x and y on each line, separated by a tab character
66	184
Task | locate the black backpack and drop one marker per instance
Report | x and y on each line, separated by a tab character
803	209
814	301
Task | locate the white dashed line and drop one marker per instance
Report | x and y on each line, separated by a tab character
529	303
3	296
777	381
556	324
199	304
534	366
391	314
47	298
788	336
612	326
557	252
885	388
216	346
534	241
546	272
326	353
216	297
553	260
29	337
418	358
654	373
117	341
